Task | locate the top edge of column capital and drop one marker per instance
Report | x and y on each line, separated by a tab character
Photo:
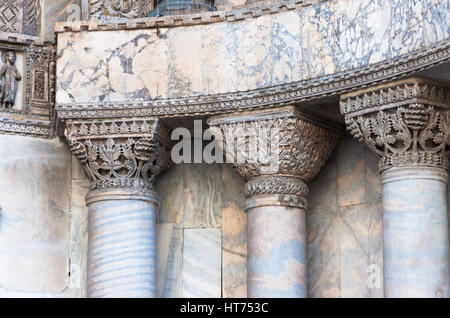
409	80
272	114
114	194
146	127
395	94
414	173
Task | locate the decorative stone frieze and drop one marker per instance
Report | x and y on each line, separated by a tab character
126	153
27	92
406	123
276	185
111	10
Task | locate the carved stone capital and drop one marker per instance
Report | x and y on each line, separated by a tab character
125	153
275	150
406	123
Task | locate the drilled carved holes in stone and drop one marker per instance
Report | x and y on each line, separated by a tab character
124	153
414	135
121	162
284	146
276	185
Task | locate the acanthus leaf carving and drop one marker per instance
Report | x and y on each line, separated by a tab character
411	129
276	151
115	156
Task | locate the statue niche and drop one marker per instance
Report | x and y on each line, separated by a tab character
9	79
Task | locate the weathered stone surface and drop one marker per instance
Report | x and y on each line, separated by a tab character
323	267
344	225
169	259
322	220
323	38
170	187
351	169
234	236
59	11
202	191
122	243
35	217
415	226
361	248
78	243
276	252
202	263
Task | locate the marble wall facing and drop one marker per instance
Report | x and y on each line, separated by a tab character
43	238
345	239
299	44
39	241
201	232
59	11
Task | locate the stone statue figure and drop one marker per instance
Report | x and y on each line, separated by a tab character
9	78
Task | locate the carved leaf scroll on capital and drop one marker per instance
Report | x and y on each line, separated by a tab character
120	154
279	151
417	135
405	124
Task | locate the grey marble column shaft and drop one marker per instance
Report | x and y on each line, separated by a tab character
407	124
416	241
276	246
122	243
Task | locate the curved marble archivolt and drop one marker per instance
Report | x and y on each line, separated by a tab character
289	52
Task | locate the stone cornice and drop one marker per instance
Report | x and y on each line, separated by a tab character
404	92
285	94
18	38
182	20
271	114
26	127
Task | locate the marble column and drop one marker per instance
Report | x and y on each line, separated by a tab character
407	123
277	151
122	158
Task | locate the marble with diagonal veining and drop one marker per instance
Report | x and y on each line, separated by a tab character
289	46
202	263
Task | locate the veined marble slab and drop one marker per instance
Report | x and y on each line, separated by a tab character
202	263
272	49
35	179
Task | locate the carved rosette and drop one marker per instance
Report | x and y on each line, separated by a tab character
127	153
406	123
277	150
